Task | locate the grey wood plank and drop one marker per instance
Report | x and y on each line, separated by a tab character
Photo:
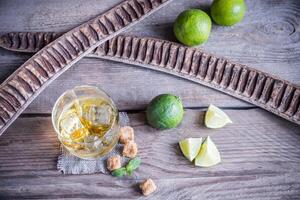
260	160
130	87
268	39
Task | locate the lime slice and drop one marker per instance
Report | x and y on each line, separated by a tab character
209	154
190	147
215	117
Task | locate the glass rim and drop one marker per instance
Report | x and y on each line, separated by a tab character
116	119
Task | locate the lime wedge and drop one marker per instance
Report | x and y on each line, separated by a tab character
209	154
215	117
190	147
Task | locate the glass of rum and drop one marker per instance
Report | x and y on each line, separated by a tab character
86	121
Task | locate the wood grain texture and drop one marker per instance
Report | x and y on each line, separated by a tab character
243	82
260	152
260	161
31	78
266	39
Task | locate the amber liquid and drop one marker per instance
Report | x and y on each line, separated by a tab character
88	127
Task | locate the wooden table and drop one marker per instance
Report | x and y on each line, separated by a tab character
260	152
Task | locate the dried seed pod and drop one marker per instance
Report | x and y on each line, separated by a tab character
21	88
256	87
259	88
27	41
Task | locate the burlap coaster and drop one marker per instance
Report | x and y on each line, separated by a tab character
69	164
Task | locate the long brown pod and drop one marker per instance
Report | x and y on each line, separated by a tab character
30	42
259	88
20	89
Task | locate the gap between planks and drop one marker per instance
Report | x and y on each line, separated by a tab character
260	160
135	111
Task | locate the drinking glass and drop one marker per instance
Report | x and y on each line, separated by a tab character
86	121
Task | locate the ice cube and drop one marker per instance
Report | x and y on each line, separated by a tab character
90	139
70	122
92	143
98	145
99	114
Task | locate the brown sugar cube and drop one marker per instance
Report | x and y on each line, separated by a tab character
130	149
113	162
148	186
126	134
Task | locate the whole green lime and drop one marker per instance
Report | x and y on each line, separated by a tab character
192	27
164	111
227	12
